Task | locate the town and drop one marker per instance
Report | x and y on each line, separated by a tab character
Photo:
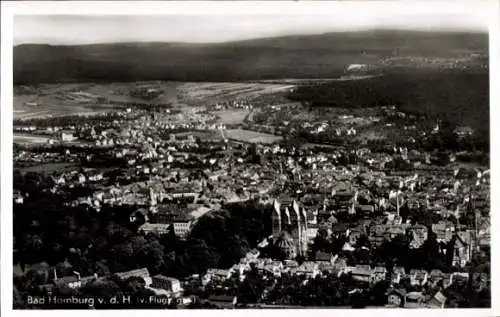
252	202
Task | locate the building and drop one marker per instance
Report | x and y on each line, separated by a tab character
325	257
156	228
142	273
418	236
169	284
379	273
437	301
462	251
396	297
67	136
73	281
362	273
289	216
418	277
397	273
286	245
216	275
354	235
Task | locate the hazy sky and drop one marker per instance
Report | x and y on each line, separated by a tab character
84	29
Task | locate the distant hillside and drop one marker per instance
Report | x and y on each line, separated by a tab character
459	97
314	56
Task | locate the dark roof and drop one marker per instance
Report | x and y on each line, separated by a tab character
138	272
165	278
400	291
66	280
339	227
323	256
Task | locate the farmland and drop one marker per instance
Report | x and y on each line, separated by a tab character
69	99
27	139
251	136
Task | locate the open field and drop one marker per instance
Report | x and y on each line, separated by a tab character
231	116
251	136
29	139
46	168
69	99
228	91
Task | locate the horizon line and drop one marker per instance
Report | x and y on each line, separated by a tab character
367	30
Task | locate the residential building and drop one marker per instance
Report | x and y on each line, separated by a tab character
437	301
157	228
142	273
362	273
169	284
379	273
396	297
418	277
397	273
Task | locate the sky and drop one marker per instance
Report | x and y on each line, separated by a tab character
87	29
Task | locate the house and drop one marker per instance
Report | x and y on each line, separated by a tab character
324	257
377	234
157	228
418	277
479	280
340	265
366	209
169	284
309	269
354	235
437	301
215	275
339	229
396	297
460	278
418	236
414	300
143	273
443	231
393	231
362	273
290	264
46	288
223	301
252	254
435	276
397	273
72	281
182	226
379	273
67	136
462	252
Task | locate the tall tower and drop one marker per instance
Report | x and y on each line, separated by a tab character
276	218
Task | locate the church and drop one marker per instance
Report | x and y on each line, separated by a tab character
290	217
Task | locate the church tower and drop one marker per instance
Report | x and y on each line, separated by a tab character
276	218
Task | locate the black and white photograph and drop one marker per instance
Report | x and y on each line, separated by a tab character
322	157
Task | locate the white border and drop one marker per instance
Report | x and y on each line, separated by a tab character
487	9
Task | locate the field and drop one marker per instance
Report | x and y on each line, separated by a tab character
66	99
251	136
47	168
231	116
27	139
193	92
